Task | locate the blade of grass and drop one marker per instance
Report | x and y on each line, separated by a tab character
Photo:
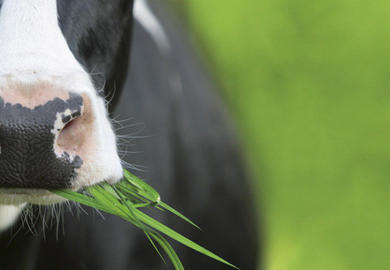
153	196
125	199
178	237
177	213
168	250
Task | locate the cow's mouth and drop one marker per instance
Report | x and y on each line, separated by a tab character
17	196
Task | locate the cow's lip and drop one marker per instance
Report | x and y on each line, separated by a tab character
16	196
24	191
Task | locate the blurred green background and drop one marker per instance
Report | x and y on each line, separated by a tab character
308	84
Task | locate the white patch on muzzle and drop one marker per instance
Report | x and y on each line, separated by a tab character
33	50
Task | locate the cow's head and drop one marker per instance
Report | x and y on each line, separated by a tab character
54	125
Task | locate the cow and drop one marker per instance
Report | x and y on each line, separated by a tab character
87	88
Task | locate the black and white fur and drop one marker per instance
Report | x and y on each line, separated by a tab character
188	150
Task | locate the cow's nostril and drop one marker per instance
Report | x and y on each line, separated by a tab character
68	125
70	117
66	119
70	137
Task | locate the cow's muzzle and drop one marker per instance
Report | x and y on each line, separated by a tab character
41	144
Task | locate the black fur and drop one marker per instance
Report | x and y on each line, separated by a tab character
98	33
190	152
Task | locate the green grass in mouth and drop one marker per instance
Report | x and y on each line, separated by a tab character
126	199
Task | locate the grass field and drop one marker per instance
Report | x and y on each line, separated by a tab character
308	84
